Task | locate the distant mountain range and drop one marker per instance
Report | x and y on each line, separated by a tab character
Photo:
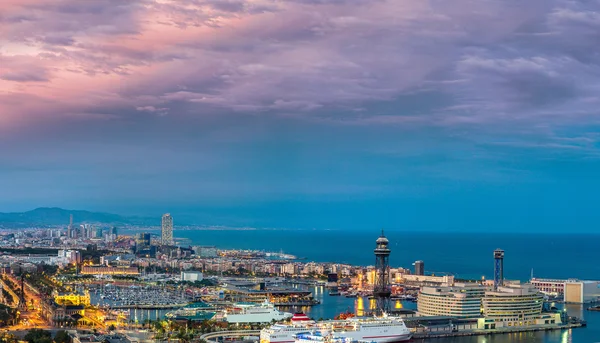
51	216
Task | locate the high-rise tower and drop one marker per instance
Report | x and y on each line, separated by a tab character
382	290
498	268
167	229
419	267
70	228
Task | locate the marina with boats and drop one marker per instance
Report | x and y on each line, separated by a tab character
234	301
137	296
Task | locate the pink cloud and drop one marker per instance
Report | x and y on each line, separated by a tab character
250	55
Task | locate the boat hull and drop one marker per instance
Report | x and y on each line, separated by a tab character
375	335
256	318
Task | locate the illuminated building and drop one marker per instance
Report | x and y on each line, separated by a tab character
549	286
102	270
513	305
72	299
167	229
577	291
461	301
142	241
425	280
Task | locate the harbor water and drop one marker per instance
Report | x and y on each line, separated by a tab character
465	255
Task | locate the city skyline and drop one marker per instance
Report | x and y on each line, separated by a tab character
346	114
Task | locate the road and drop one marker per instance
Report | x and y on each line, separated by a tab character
31	316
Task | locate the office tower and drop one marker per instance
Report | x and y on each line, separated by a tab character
419	268
143	241
70	228
167	229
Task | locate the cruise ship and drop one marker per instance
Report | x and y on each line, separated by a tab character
376	329
253	313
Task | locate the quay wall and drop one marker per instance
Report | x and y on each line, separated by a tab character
494	331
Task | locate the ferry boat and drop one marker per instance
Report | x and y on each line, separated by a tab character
198	311
372	329
253	313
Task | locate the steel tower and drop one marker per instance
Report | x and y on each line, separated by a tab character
498	268
382	291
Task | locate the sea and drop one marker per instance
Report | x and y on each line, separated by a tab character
464	255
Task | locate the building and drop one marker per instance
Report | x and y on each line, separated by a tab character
72	299
549	286
580	292
70	256
206	251
142	241
419	268
102	270
424	280
191	276
513	305
332	280
70	230
459	301
123	260
167	229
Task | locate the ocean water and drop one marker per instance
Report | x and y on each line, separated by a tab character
465	255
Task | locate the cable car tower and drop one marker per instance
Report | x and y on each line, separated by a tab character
381	290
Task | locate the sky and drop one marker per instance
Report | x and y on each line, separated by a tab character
465	115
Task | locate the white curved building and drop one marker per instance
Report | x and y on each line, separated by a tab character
513	305
461	301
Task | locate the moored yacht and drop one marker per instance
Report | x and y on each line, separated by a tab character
253	313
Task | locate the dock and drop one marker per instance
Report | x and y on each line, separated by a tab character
475	332
148	306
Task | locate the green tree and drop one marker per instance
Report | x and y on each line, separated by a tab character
62	337
38	336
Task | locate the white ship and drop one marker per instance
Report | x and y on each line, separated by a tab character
325	337
253	313
376	330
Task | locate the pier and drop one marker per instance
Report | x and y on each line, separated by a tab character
475	332
148	306
214	336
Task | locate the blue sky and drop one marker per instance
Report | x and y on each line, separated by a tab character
424	115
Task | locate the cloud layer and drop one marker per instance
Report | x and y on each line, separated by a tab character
491	59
